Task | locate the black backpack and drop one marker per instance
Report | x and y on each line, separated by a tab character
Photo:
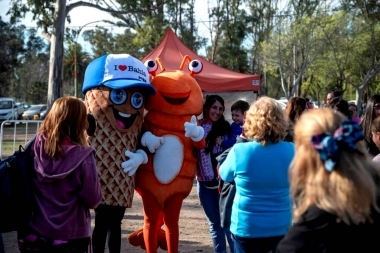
16	189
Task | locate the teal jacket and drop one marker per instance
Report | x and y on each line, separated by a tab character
262	205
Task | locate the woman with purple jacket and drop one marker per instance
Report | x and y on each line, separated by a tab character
66	182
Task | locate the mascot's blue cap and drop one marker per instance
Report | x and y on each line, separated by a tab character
117	71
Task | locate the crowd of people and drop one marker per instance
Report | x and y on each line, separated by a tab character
296	180
274	180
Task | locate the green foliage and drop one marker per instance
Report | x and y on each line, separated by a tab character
21	63
230	42
42	10
37	92
150	33
104	42
11	48
305	48
74	54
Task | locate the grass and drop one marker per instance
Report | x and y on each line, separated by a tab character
8	147
12	138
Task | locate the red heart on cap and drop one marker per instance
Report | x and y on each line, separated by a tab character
122	67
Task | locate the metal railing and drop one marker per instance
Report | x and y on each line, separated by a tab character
14	133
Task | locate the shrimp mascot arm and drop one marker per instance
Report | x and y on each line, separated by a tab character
151	141
135	160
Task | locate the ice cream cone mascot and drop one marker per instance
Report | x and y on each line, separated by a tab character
172	134
115	88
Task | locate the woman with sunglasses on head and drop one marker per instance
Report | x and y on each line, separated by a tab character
371	112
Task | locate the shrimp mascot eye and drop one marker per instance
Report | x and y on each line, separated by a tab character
195	67
152	66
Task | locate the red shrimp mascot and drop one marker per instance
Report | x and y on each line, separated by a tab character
172	133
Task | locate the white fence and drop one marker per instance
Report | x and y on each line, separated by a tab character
14	133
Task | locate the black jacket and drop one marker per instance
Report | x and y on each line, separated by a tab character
318	231
227	191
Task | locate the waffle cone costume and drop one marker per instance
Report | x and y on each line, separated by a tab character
167	178
115	87
110	144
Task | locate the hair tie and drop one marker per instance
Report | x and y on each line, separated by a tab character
329	146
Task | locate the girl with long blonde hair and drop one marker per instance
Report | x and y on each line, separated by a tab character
335	187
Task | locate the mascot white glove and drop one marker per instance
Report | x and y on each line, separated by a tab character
135	160
193	130
151	141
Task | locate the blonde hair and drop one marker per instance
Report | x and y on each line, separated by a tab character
349	191
66	119
265	121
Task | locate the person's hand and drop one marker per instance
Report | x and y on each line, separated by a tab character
135	160
219	140
151	141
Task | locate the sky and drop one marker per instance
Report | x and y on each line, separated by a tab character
81	16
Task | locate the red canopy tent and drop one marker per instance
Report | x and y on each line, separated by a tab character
213	78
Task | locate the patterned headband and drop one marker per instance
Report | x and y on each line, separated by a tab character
345	137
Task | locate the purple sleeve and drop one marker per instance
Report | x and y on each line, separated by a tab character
91	192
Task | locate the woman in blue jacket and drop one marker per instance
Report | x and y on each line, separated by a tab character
261	212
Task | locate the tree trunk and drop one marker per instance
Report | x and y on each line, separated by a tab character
56	53
359	93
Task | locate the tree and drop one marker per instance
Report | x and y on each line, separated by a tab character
104	42
82	60
34	67
232	54
51	16
11	48
294	46
260	26
143	32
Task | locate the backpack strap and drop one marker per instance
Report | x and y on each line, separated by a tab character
28	143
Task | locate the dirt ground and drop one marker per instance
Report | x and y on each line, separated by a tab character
194	236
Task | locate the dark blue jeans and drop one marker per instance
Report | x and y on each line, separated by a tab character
209	199
256	245
107	222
